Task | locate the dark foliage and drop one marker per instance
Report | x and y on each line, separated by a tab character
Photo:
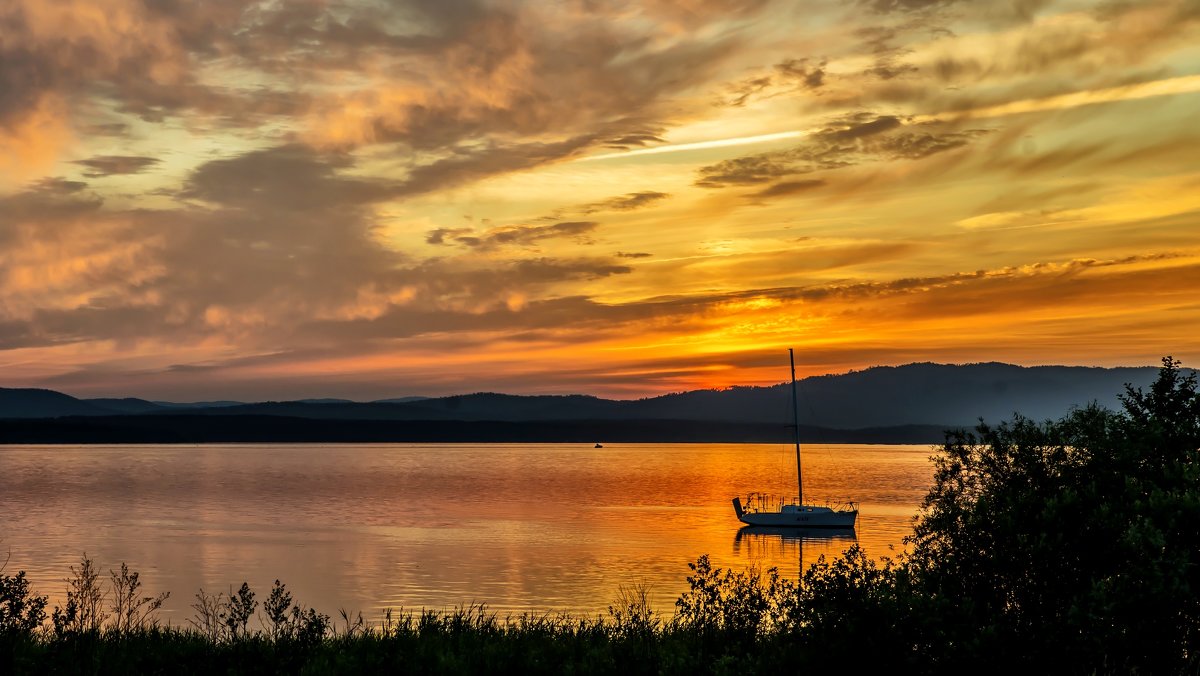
238	611
1077	542
1068	546
21	611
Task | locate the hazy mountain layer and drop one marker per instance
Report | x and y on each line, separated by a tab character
914	394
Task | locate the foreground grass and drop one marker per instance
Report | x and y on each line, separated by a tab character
728	622
468	641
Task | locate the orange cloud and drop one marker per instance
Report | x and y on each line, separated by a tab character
33	142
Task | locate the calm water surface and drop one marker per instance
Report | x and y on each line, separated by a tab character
543	528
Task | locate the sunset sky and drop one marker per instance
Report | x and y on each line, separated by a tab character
254	200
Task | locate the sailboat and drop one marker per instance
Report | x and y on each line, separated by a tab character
761	510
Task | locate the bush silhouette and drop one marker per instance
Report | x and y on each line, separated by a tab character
21	611
1068	545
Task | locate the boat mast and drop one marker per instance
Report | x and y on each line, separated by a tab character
796	431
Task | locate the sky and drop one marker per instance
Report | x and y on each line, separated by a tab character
344	198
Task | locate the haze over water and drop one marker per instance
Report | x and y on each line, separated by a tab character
520	527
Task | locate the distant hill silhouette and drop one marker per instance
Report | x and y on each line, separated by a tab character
34	403
915	394
399	400
126	405
922	396
194	404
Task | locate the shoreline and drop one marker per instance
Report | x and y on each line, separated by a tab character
209	428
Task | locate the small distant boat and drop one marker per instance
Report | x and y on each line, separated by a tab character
598	445
763	510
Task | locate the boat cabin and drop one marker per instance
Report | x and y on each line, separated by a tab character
795	509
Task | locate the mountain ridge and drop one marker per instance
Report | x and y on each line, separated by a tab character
920	393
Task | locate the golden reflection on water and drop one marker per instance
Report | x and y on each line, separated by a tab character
540	528
765	543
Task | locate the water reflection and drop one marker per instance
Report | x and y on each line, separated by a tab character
800	545
551	527
792	534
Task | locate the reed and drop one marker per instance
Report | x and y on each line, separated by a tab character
117	631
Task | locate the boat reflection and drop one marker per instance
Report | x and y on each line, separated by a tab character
803	545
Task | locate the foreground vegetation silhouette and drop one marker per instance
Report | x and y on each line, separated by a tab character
1063	546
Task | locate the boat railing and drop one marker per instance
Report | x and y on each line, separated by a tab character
766	502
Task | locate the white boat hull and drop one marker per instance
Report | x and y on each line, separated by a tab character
797	516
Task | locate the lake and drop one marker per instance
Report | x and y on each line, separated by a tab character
520	527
